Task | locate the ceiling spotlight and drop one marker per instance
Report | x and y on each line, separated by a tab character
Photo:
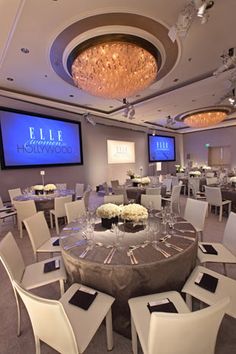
153	133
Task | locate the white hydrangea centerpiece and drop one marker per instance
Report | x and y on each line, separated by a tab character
108	211
195	173
130	173
50	187
38	187
134	212
233	179
145	180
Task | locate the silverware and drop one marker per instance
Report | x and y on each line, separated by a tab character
108	256
185	237
130	257
83	254
111	256
183	231
78	243
177	248
164	253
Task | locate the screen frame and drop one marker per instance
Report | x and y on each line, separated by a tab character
161	136
44	116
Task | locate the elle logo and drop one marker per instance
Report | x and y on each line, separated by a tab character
45	134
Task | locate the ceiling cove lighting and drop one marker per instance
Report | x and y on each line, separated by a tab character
114	66
205	117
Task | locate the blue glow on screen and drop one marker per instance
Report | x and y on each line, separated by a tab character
30	141
161	148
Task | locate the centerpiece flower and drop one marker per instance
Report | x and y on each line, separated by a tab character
233	181
145	180
50	188
130	173
194	173
38	188
134	212
109	214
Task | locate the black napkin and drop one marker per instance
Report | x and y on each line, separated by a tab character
52	265
207	282
56	242
168	306
209	249
82	299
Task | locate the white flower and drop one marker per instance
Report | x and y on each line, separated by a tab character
50	187
134	212
38	187
195	173
130	173
233	179
145	180
108	211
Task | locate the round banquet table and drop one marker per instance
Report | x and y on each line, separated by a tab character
45	202
154	273
136	192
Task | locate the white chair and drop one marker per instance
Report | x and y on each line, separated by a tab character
39	235
153	191
214	198
79	190
59	210
14	193
153	200
226	250
167	183
65	327
174	199
121	190
226	287
6	212
30	276
115	199
210	174
24	210
211	180
174	181
184	332
195	212
61	186
194	187
74	210
115	183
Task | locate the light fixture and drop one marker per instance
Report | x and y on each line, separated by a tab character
204	117
153	133
129	111
89	119
114	66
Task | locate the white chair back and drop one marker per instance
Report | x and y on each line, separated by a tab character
175	195
213	195
14	193
1	203
74	210
79	190
193	185
229	239
154	200
174	181
115	183
211	180
11	258
24	210
153	191
120	190
167	182
195	213
115	199
61	186
49	321
59	205
37	229
210	174
186	333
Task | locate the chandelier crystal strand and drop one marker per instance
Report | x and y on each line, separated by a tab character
114	69
205	119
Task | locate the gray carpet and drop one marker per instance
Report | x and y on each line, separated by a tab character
10	343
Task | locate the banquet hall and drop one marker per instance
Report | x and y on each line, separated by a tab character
104	102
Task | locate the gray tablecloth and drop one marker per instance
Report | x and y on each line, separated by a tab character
136	192
120	278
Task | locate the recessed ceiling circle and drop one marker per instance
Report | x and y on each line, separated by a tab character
205	116
138	23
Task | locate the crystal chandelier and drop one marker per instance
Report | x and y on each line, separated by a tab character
205	117
114	66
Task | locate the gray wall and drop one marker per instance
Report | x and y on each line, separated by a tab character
95	169
194	144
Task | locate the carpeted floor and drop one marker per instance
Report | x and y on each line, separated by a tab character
10	343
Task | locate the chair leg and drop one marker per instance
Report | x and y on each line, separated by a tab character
229	209
134	337
225	269
37	345
62	286
18	313
109	331
189	301
51	221
21	230
57	225
221	210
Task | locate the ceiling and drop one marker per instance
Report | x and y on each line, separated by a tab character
30	31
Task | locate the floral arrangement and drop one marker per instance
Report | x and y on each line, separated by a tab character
50	187
134	212
108	211
38	187
145	180
130	173
195	173
179	168
233	179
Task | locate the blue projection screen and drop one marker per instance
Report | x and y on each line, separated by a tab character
161	148
28	140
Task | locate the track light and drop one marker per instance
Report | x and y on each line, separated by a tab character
153	133
89	119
